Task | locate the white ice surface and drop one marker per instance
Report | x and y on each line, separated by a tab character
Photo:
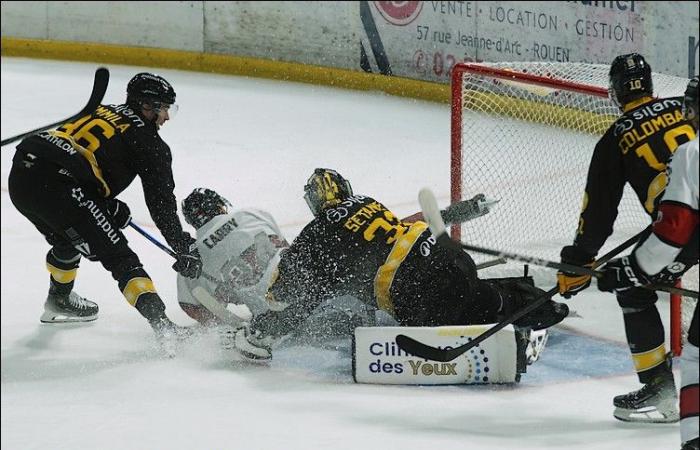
103	386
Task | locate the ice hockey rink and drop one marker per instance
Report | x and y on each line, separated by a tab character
103	385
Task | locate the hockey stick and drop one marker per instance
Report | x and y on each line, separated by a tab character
206	299
571	268
167	249
99	88
414	347
493	262
460	212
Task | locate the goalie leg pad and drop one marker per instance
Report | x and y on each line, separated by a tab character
378	360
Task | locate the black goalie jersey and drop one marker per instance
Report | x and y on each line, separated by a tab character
361	248
634	150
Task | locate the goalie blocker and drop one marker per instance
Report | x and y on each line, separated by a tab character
502	359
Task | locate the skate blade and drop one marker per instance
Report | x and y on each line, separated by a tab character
652	415
51	317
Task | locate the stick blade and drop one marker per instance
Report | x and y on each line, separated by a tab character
99	89
416	348
431	212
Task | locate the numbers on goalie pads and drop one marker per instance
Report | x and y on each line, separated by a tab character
378	360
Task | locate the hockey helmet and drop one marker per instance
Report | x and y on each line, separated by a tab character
325	188
630	79
690	102
202	205
150	89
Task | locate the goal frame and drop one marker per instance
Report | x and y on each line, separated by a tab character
458	72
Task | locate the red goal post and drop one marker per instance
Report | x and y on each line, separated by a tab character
524	132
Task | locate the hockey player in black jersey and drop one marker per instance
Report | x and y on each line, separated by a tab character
356	246
66	182
635	150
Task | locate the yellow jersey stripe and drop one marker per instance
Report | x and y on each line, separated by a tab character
648	360
60	275
387	271
137	286
87	154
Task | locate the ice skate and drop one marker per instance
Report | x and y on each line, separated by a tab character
655	402
68	308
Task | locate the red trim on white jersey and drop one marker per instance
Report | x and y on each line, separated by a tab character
676	223
678	212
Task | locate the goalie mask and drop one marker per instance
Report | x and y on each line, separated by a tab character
630	79
324	189
690	102
202	205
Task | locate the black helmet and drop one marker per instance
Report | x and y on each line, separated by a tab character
202	205
630	79
149	88
690	101
325	188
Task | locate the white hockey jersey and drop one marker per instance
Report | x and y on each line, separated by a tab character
241	251
678	212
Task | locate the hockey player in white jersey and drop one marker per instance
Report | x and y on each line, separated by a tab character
675	228
240	251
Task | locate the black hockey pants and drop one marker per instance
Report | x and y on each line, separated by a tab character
71	217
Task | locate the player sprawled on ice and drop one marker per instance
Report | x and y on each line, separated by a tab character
240	251
356	246
635	150
675	229
66	182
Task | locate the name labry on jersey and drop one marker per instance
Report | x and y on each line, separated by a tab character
220	233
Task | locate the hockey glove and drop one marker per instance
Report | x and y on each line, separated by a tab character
120	212
570	283
189	263
622	274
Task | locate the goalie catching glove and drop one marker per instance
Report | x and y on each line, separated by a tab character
570	283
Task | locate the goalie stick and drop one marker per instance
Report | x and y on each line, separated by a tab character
437	226
99	88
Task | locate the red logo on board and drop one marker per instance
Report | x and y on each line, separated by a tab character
399	13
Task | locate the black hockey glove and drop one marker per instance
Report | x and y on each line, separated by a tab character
120	212
570	283
622	274
189	262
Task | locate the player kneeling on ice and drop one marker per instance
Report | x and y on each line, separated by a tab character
356	246
240	251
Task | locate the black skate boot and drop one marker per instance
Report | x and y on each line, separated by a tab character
63	308
690	445
655	402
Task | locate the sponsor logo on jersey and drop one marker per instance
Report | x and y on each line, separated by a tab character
58	142
639	133
100	218
131	115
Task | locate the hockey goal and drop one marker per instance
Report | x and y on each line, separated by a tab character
524	133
